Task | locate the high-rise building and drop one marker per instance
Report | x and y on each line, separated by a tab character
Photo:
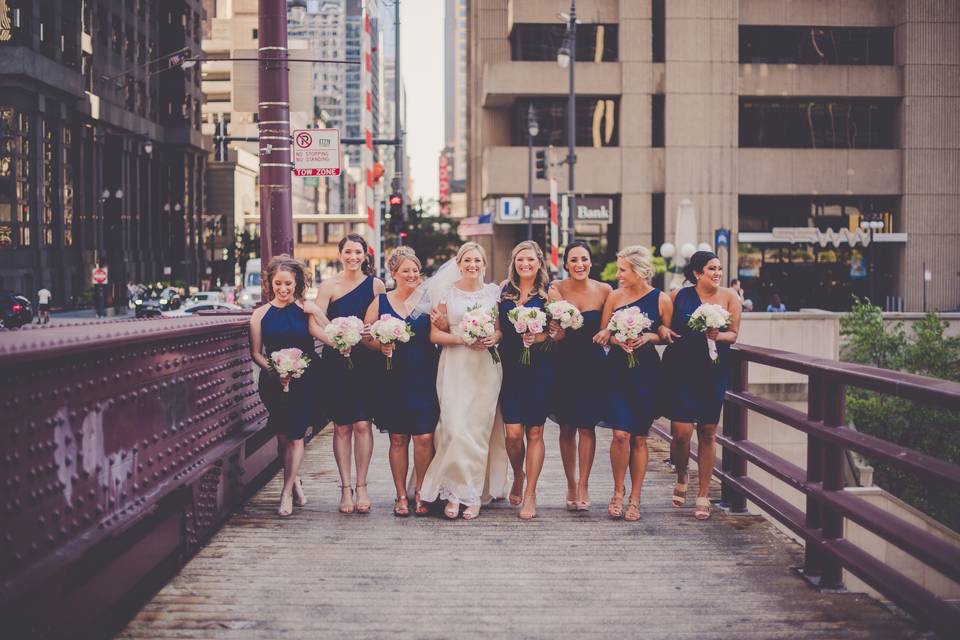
794	124
101	156
455	104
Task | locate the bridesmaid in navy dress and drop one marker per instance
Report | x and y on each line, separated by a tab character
526	391
407	405
287	321
633	393
579	392
695	385
350	293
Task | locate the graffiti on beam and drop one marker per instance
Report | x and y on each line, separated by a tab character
812	235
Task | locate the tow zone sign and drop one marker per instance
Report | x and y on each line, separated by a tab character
316	152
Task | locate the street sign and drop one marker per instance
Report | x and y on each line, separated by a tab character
316	152
721	238
98	275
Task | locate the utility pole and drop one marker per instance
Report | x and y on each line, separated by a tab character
276	207
572	121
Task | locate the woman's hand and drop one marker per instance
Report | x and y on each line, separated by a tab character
488	343
439	319
528	339
345	352
713	334
386	348
636	343
477	345
667	334
602	338
555	331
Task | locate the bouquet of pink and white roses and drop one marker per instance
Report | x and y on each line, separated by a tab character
710	316
627	324
566	315
390	329
478	323
527	320
289	364
345	332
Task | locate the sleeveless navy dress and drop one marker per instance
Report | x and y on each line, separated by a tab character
291	412
525	394
408	392
633	399
350	391
579	390
695	385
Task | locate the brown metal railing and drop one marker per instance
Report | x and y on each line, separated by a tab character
820	524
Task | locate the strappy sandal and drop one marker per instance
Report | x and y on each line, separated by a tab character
679	495
615	508
401	508
633	511
299	497
420	509
352	507
702	511
452	510
471	513
363	507
285	510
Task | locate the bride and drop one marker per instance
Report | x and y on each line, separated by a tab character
468	386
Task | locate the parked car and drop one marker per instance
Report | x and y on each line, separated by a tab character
189	310
147	306
250	294
15	310
206	296
170	299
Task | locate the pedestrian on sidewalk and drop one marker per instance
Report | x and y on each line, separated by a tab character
43	305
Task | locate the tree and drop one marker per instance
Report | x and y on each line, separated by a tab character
924	428
433	237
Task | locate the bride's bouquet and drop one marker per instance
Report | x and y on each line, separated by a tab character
345	332
566	315
627	324
390	329
527	320
289	364
706	317
478	323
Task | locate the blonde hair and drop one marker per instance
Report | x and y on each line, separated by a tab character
640	259
511	290
399	255
471	246
301	277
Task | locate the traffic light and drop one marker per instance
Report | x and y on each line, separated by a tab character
542	164
397	221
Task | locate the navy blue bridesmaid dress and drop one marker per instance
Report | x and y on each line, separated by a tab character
349	391
695	385
579	390
291	412
633	399
408	392
525	394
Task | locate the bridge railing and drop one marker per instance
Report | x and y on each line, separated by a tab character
123	446
820	523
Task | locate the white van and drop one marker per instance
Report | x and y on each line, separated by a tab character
250	293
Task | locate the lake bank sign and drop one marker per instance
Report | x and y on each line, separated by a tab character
510	209
316	152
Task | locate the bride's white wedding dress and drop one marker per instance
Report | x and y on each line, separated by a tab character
468	386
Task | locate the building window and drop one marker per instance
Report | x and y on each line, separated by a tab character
659	30
540	42
823	123
816	45
308	233
658	218
657	120
335	232
596	121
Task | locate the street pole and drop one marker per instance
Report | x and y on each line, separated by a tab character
572	122
276	208
397	129
529	185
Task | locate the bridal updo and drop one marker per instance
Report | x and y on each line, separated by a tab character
401	254
640	259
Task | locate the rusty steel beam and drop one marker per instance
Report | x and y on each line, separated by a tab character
124	445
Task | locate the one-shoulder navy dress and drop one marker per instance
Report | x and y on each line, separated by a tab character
407	394
579	396
695	385
349	391
291	412
634	394
525	394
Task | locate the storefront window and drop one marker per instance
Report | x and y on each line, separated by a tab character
308	233
596	121
540	42
822	123
816	45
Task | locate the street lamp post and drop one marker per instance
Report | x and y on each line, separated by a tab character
533	128
566	58
871	227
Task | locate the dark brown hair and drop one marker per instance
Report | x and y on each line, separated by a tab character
359	239
301	278
698	262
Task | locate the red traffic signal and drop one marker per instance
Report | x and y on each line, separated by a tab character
396	200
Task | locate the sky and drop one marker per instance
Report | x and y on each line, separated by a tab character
421	61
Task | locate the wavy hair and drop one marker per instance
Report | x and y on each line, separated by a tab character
399	255
511	290
365	268
301	277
